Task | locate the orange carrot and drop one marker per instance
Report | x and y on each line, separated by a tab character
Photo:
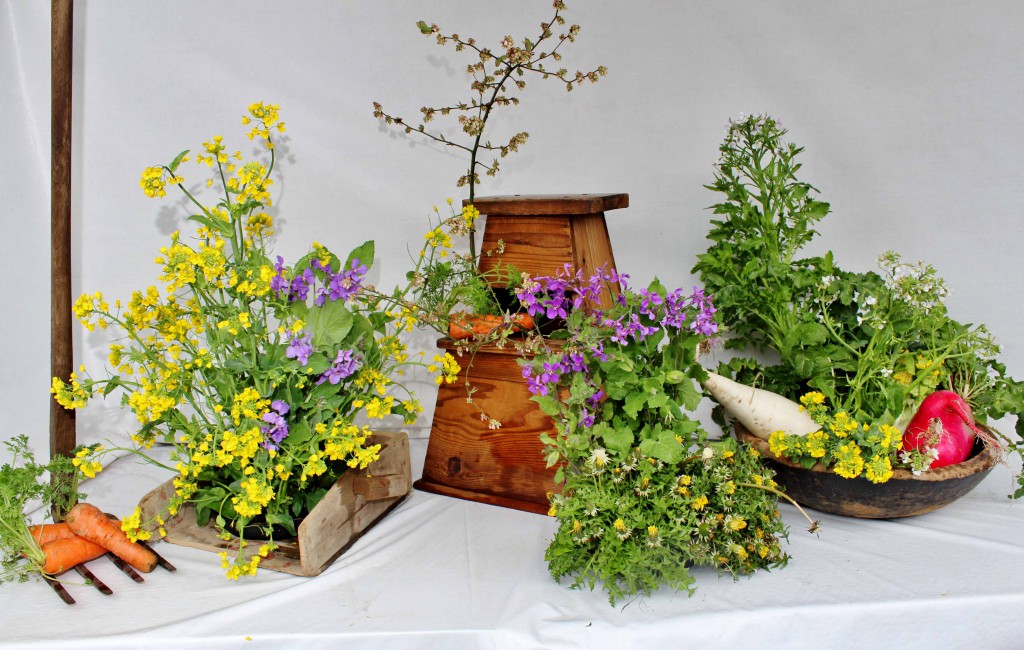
464	326
64	553
88	521
44	533
523	321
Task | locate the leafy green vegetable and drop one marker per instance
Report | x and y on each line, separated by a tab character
874	344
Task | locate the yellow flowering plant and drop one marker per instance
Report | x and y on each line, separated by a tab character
850	448
261	374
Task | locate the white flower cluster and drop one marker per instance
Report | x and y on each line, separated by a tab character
917	284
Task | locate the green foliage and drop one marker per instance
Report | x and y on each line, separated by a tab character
641	524
874	344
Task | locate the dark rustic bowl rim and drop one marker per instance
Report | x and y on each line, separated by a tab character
981	460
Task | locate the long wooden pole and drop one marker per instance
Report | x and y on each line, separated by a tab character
62	421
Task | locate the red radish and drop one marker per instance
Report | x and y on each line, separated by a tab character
955	428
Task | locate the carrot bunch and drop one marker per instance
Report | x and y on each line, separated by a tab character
92	525
63	549
85	535
51	549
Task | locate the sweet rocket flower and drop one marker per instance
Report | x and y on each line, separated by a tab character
650	303
278	283
673	313
586	419
300	346
344	365
346	284
533	383
276	429
551	373
343	285
299	288
574	362
705	321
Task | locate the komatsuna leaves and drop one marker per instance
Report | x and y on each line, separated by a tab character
330	323
616	439
364	253
217	225
299	433
177	161
664	448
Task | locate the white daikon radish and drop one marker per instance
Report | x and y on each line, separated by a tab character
761	411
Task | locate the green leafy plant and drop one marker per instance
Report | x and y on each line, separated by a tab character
253	369
873	344
645	493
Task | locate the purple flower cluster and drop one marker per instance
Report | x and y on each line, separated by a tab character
704	323
343	285
345	365
300	346
276	429
670	312
551	375
297	289
636	316
555	297
552	372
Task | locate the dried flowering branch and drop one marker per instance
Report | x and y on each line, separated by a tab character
492	73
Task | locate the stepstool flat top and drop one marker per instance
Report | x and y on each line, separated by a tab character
549	204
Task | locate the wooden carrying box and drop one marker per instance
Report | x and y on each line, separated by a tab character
505	467
352	506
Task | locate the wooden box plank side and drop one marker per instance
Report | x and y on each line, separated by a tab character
533	245
592	250
542	234
502	466
356	501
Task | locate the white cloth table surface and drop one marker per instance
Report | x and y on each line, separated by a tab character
446	573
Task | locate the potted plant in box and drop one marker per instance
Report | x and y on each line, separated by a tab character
255	370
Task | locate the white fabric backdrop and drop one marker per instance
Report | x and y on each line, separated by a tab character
910	113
